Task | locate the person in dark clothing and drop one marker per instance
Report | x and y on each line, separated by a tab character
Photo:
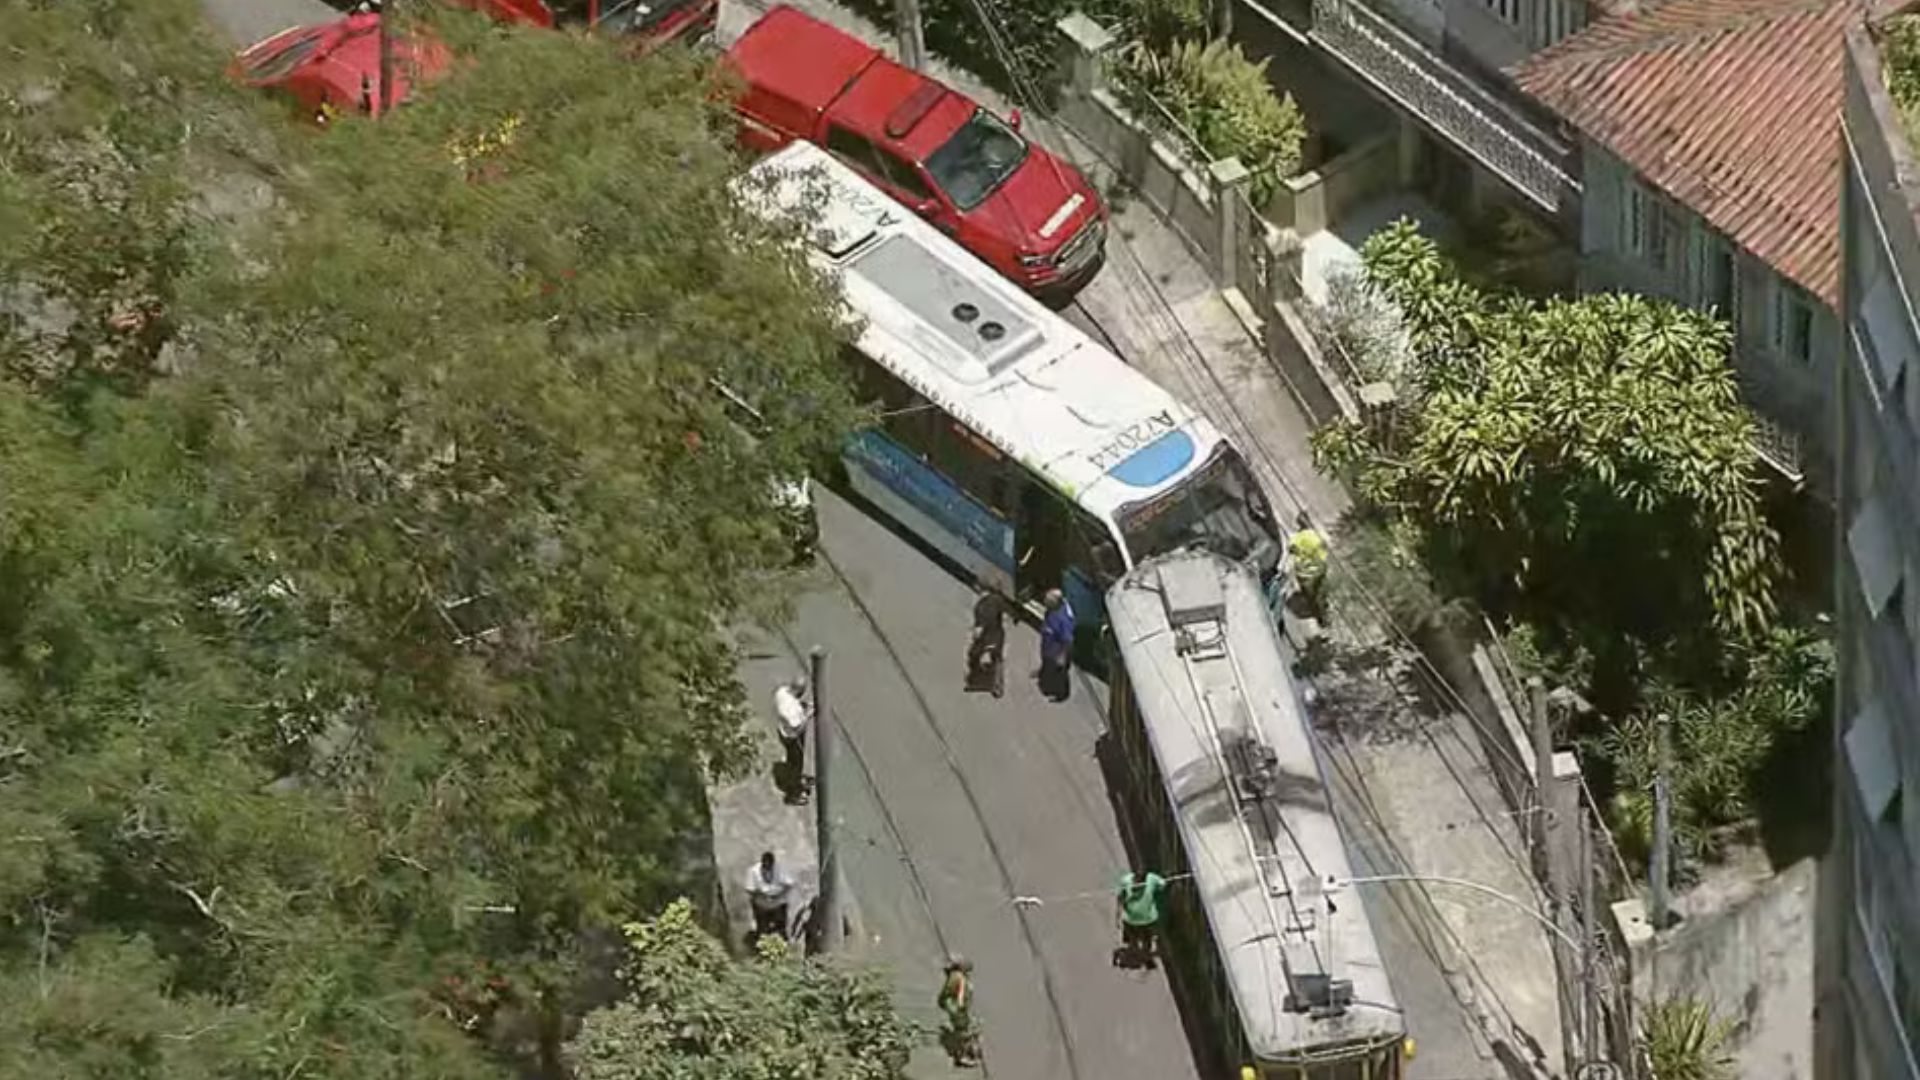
989	644
1056	648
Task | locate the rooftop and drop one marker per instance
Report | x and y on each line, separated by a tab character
1728	107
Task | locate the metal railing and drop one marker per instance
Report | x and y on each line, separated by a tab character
1493	132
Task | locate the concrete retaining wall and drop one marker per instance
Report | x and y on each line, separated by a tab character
1745	944
1207	209
1158	173
1313	201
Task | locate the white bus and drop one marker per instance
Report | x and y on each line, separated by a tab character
1009	441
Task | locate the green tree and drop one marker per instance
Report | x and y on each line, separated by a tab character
1581	462
366	541
693	1012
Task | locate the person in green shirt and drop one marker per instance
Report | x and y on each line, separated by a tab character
1140	896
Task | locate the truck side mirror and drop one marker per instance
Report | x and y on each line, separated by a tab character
1013	119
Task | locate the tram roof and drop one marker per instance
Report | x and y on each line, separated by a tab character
977	346
1170	617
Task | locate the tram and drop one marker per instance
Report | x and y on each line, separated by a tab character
1009	441
1225	782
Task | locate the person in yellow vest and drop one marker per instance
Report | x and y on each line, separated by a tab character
1307	553
962	1039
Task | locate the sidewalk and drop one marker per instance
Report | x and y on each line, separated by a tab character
751	816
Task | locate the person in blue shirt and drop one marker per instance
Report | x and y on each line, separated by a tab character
1056	648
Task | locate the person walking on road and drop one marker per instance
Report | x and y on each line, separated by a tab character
956	1001
1139	901
1307	554
988	644
769	889
1056	648
792	711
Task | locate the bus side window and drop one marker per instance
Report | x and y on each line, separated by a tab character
972	462
904	414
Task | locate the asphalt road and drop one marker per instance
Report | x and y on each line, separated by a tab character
248	21
952	803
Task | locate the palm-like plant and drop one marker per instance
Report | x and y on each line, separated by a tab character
1685	1040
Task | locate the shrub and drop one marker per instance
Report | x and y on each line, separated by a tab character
1382	558
1719	741
1360	324
1220	100
1686	1041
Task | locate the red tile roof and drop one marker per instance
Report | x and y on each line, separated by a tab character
1730	107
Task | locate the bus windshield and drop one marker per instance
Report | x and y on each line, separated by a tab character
1218	508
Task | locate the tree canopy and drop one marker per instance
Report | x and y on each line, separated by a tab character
693	1013
1574	460
368	519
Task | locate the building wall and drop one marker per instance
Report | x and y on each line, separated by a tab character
1867	1019
1634	240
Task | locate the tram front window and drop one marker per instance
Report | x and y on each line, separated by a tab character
1219	508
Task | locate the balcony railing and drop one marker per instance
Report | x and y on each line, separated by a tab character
1528	158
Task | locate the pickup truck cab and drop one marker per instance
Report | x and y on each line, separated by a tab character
335	67
1024	212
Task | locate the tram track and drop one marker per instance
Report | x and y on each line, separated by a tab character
1049	982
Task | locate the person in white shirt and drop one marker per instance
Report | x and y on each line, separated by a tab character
792	712
769	888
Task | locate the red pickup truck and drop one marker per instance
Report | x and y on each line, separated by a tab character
1026	213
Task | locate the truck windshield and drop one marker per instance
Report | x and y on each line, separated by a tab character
1218	508
977	160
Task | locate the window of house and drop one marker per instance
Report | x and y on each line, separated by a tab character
1719	281
1651	229
1876	562
1792	323
1561	19
1633	218
1664	235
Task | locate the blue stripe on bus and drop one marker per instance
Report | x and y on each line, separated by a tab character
927	491
1156	461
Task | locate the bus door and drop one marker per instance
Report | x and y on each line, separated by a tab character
1040	535
1062	546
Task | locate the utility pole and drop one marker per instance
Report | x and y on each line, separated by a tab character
826	909
1550	830
1590	1015
1662	823
910	34
386	56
